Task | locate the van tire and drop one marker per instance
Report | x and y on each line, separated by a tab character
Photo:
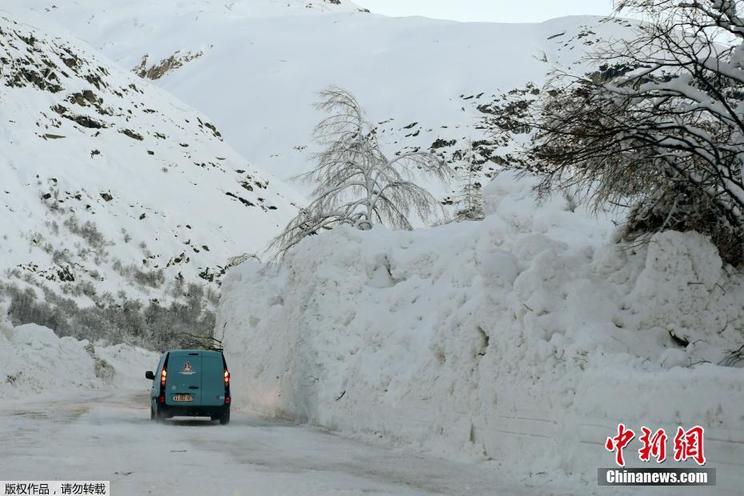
225	417
156	414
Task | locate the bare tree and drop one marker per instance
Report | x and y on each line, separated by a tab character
660	125
357	184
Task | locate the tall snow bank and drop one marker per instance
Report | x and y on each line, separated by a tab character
524	338
34	361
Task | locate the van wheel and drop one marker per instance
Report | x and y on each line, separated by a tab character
156	415
225	417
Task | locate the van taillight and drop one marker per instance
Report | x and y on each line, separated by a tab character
227	378
227	400
162	377
162	399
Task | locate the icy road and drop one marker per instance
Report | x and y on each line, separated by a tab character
103	437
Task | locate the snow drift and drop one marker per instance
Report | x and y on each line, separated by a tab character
34	362
522	339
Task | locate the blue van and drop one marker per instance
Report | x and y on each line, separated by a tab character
194	383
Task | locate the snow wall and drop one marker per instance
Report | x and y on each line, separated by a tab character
522	339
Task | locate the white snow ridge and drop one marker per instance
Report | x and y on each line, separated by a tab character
521	339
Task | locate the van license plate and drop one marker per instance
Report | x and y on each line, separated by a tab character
182	397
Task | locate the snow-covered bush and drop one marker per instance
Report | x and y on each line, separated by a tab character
659	125
469	203
115	319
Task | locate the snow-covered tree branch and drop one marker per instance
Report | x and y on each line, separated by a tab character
357	184
659	125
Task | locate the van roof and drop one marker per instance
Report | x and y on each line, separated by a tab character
195	350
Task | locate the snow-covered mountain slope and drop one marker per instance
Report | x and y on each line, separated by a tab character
524	338
110	185
257	66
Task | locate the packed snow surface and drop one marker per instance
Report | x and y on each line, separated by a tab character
108	436
524	338
70	410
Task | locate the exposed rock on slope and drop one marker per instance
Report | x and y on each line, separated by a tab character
155	71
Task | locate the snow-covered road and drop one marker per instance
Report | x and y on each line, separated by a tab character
104	437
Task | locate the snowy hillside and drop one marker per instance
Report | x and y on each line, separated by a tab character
110	188
257	66
524	338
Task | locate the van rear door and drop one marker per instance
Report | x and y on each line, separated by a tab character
184	373
213	379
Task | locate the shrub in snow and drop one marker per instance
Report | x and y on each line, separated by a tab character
102	368
357	183
659	125
470	202
119	319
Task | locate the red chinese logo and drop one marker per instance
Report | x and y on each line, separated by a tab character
619	442
688	444
653	445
